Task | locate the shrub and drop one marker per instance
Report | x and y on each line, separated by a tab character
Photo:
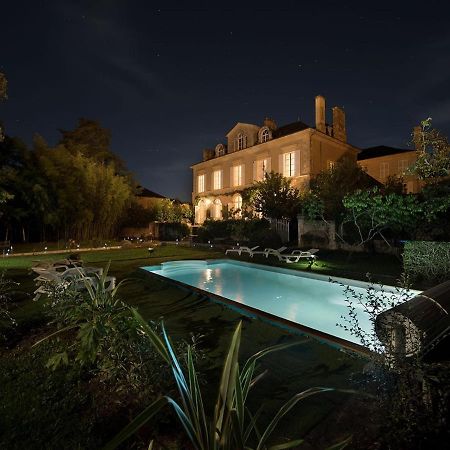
427	260
7	321
173	230
266	239
231	425
233	229
108	342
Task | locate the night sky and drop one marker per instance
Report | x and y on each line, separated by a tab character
169	79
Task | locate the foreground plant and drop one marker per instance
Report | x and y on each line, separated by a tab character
232	426
108	342
413	392
7	320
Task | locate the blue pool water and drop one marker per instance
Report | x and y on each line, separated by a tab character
309	300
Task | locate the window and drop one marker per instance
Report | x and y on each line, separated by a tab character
201	183
217	209
289	164
402	165
241	141
237	177
265	135
237	204
330	164
261	167
220	150
384	170
217	179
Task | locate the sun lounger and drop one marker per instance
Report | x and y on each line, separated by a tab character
268	251
240	250
297	255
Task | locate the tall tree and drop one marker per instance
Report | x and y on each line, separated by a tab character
332	185
93	141
432	152
3	96
274	197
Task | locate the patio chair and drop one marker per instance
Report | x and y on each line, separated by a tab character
78	277
241	250
297	255
270	251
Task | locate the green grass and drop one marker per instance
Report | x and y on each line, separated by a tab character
383	268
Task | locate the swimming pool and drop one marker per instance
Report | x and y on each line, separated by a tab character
305	299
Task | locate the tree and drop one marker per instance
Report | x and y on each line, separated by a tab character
432	152
93	141
333	184
274	197
371	213
3	96
3	87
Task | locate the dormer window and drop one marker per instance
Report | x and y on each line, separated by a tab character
220	150
264	135
241	141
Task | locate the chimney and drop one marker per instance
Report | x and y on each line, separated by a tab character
339	131
208	153
320	113
270	123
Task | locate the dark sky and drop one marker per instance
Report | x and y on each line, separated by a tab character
171	78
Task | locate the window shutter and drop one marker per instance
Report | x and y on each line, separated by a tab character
269	165
297	163
242	174
254	170
280	164
231	177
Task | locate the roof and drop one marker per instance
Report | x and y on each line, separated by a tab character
144	192
242	124
290	128
381	150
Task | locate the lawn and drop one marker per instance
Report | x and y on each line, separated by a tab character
62	409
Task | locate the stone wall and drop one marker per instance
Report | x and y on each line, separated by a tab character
316	233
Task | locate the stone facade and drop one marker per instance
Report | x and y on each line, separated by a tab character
391	162
296	150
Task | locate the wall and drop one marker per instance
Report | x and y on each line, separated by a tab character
373	168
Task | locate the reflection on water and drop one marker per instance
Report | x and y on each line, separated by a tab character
315	303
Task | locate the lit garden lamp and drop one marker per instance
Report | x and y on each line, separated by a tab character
45	249
150	250
177	241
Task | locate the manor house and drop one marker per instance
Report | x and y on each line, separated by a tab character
296	150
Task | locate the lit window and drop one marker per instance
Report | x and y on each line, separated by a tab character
241	141
237	203
217	179
217	209
330	164
220	150
265	135
289	164
237	175
201	183
260	169
384	170
402	165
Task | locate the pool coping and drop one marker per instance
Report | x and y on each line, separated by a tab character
255	313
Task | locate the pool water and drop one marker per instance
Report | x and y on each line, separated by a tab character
309	300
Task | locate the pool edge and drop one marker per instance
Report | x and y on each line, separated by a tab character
249	311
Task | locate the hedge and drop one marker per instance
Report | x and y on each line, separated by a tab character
427	260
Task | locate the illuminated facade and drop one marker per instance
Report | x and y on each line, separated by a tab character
296	150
